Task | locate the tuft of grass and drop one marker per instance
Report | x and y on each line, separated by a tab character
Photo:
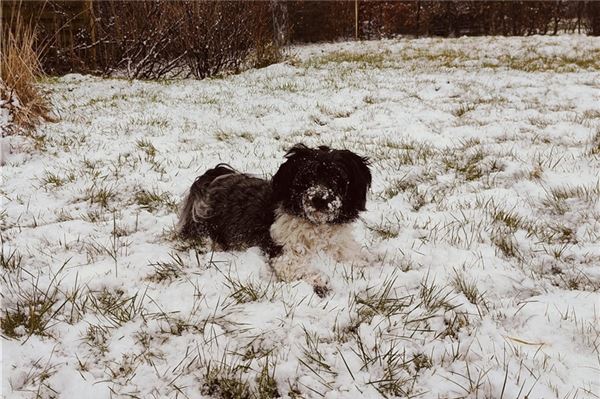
463	109
467	165
421	361
509	218
313	358
266	385
556	197
222	135
247	136
20	70
32	313
595	143
115	307
377	300
167	271
248	291
153	200
9	260
505	242
398	186
148	148
50	179
35	379
469	289
369	100
225	379
101	195
291	87
406	152
387	229
96	337
93	216
434	297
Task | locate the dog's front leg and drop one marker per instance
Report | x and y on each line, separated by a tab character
289	266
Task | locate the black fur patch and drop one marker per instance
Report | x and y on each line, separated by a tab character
344	172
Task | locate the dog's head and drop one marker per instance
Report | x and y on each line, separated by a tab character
322	185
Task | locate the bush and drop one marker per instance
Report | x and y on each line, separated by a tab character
153	39
20	69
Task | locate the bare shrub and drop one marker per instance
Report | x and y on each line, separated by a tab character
220	36
138	38
153	39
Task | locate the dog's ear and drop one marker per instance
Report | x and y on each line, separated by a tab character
359	176
297	151
282	180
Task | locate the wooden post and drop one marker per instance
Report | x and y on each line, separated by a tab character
92	23
356	19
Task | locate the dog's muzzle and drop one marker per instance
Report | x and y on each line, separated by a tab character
321	205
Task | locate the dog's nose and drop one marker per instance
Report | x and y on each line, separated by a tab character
319	202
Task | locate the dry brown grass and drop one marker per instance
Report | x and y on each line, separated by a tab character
19	71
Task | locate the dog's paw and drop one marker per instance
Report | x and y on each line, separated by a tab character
322	290
359	258
319	283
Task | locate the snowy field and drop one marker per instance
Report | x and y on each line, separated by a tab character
484	213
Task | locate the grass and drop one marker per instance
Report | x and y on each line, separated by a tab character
595	143
557	198
147	147
558	63
152	200
533	62
228	377
225	380
249	290
99	194
10	260
20	70
167	271
387	229
463	109
468	287
506	243
52	180
116	307
434	297
467	165
376	300
363	60
473	239
34	311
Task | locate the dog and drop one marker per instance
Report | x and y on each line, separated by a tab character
307	207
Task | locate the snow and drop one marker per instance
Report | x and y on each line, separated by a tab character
484	214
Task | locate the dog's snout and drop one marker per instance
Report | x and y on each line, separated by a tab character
319	202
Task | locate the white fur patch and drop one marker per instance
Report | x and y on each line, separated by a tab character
302	240
303	237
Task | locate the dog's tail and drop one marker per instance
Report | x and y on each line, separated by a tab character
195	205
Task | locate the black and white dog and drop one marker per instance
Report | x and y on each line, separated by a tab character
307	207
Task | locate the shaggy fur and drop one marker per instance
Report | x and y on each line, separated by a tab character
306	208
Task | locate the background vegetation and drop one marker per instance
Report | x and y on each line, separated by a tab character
150	39
156	39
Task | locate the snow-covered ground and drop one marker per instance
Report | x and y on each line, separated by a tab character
484	210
